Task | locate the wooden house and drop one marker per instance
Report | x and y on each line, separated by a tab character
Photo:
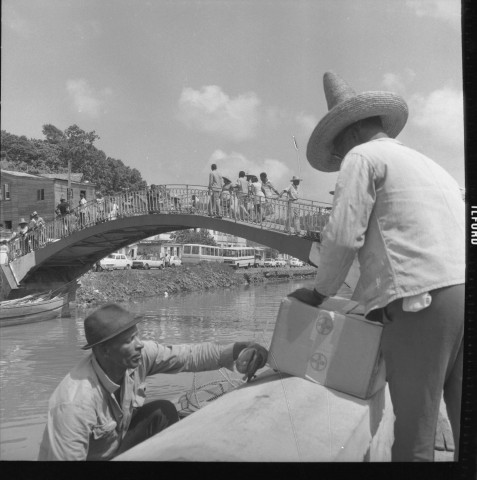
23	193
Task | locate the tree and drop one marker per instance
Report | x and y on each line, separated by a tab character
74	145
53	134
202	236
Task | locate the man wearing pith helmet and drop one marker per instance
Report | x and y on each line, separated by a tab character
98	410
403	215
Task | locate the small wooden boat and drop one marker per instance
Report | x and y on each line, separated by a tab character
30	309
277	418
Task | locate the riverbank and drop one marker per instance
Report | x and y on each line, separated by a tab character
98	288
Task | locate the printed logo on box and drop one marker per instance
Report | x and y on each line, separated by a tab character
318	361
324	323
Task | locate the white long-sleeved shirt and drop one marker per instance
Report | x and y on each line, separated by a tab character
403	215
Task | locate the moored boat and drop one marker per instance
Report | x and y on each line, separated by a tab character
32	308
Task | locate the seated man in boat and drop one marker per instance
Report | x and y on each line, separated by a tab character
98	411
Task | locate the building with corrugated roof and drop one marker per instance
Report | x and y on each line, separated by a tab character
23	193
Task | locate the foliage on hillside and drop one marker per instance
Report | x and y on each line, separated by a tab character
52	154
202	236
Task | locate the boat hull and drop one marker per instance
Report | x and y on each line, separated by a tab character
277	418
35	311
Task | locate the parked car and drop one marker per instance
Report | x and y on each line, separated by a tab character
270	262
259	262
175	261
294	262
279	262
147	263
115	261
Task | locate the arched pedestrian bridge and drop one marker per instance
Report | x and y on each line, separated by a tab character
68	246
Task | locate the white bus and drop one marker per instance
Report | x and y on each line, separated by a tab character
239	256
195	253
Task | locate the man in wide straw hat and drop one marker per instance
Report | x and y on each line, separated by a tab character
98	410
403	215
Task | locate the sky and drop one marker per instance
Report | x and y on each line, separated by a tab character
172	86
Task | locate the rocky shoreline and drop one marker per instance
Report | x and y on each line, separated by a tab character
97	288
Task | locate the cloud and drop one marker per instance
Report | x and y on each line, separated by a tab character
229	165
88	30
446	10
398	82
273	117
307	122
85	99
440	114
13	20
212	111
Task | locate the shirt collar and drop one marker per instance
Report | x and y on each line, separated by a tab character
105	381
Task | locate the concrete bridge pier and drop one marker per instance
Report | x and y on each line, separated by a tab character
51	279
72	287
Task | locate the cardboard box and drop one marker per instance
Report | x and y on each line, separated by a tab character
337	350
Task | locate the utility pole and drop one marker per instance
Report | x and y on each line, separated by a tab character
68	194
297	155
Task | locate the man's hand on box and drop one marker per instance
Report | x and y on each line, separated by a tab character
308	296
250	359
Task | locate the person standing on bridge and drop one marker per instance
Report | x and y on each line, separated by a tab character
82	210
99	409
269	190
215	189
37	226
258	198
99	207
62	211
31	229
241	187
403	215
226	197
20	238
292	211
113	208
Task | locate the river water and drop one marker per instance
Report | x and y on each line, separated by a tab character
34	358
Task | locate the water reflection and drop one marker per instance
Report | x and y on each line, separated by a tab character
34	358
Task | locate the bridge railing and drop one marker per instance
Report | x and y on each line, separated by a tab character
301	217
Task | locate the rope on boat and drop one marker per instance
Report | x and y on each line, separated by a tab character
201	395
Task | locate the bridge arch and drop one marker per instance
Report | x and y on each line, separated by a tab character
70	257
57	261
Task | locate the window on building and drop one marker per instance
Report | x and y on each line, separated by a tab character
6	191
40	194
8	224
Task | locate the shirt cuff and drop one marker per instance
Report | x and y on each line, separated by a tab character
227	356
320	298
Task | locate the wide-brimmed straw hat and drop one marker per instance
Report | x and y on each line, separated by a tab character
346	107
296	178
22	221
107	322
